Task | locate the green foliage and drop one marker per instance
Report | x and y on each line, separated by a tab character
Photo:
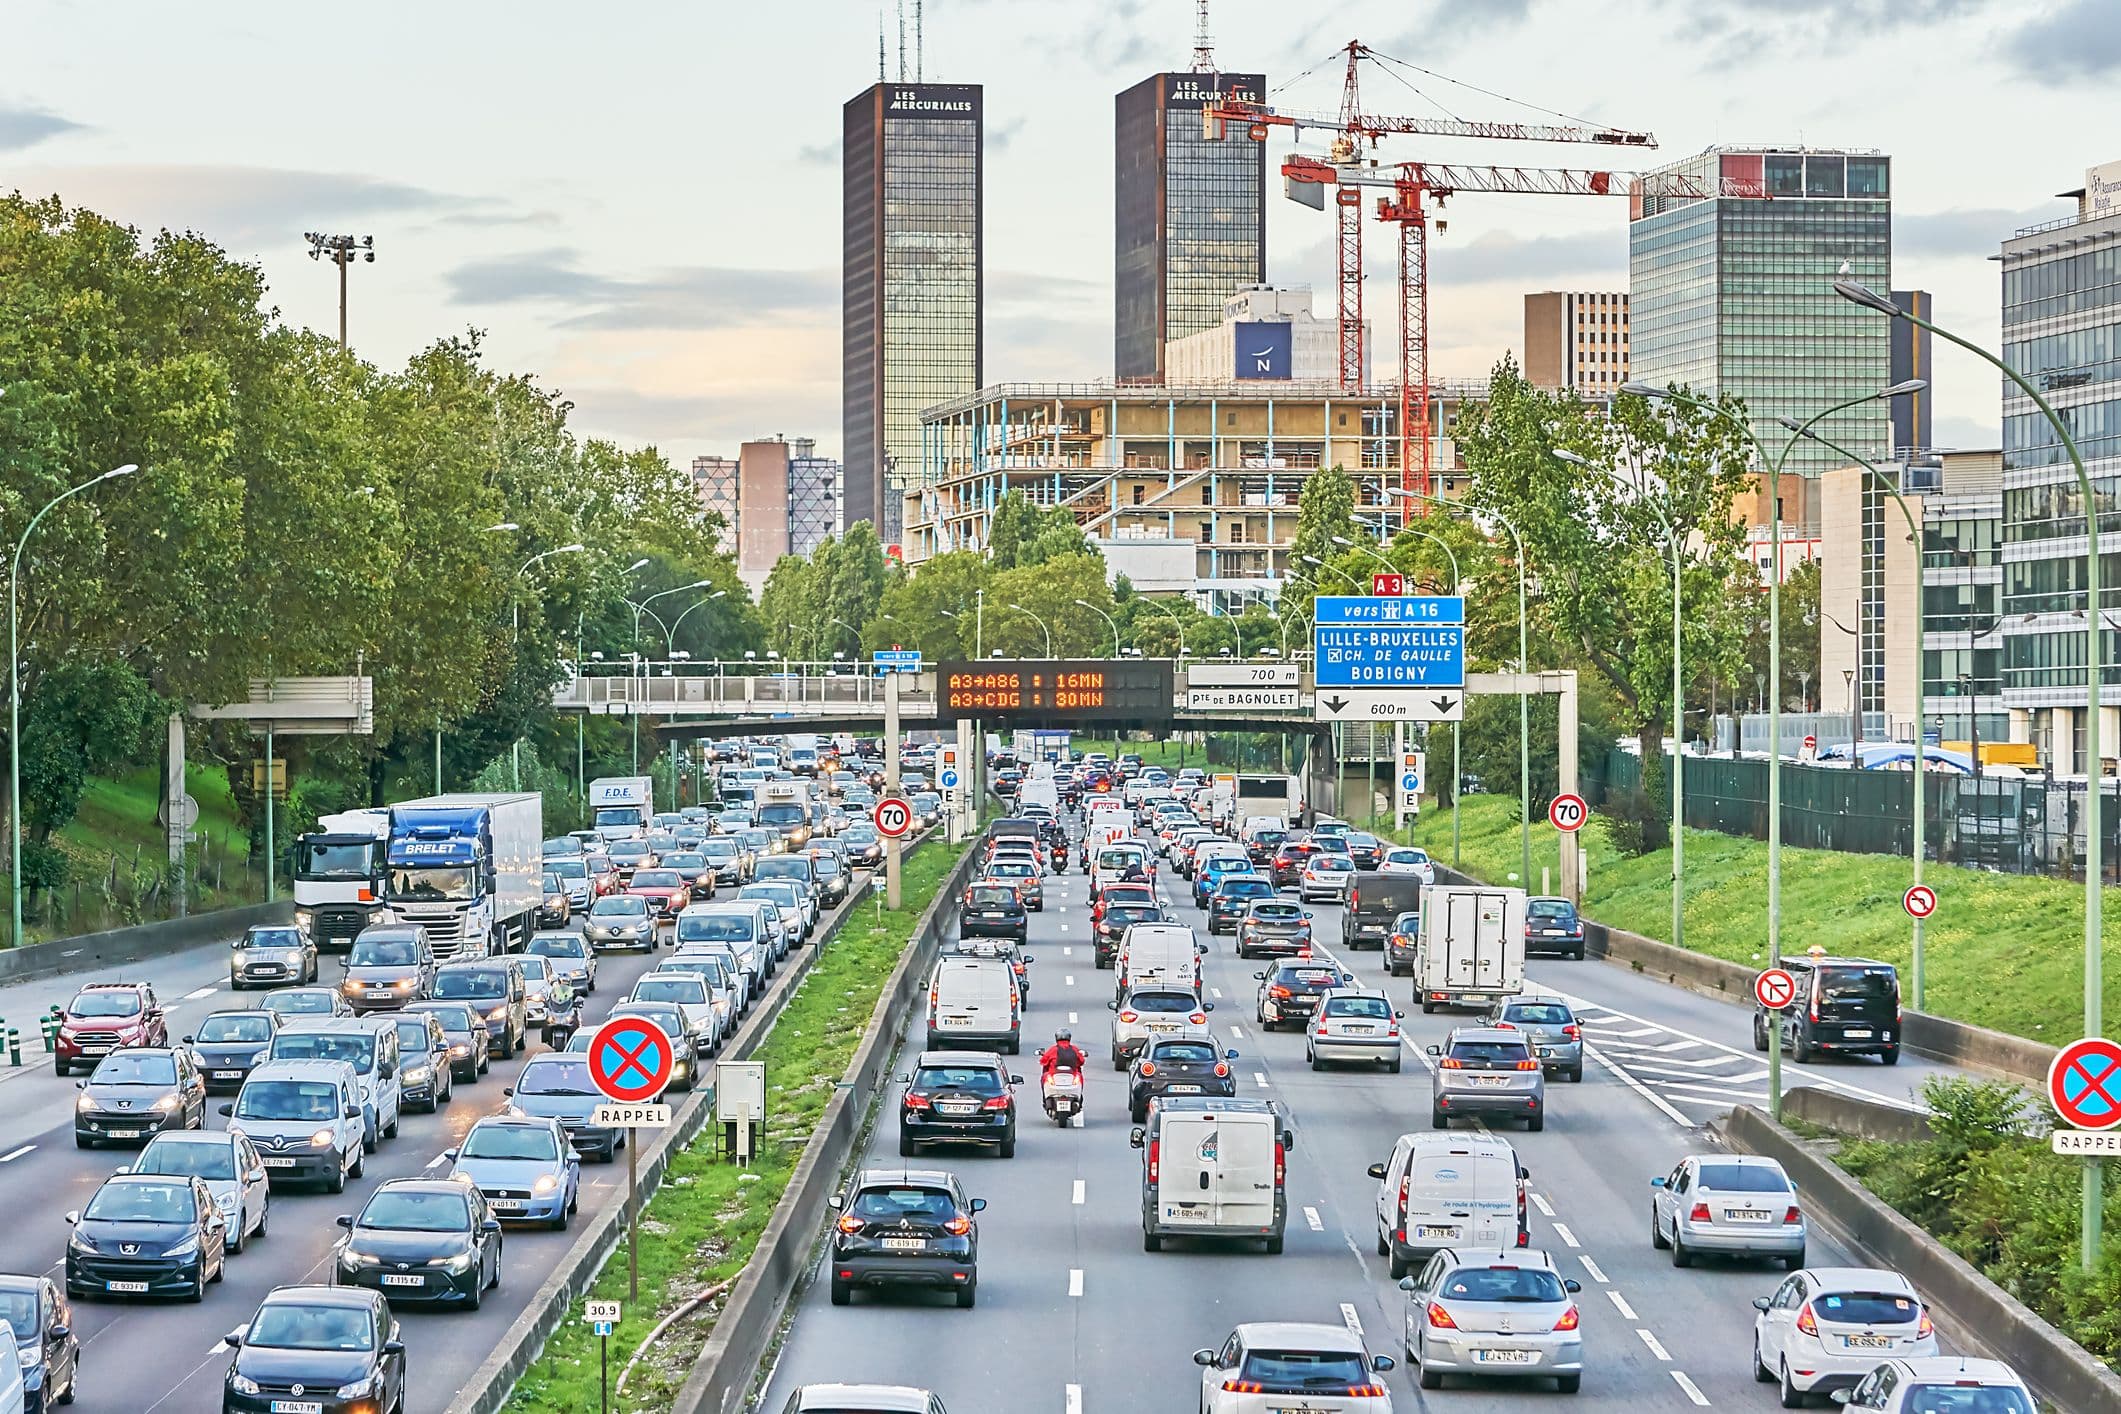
1488	742
1325	508
81	718
1023	533
1050	588
934	609
813	608
1803	624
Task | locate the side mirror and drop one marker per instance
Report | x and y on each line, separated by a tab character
344	1220
353	1112
977	1205
1435	1050
834	1201
188	1041
1760	1303
1260	976
1841	1396
227	1111
1382	1363
1016	1080
1200	949
72	1219
1376	1171
510	1090
1230	1054
80	1084
1657	1183
234	1339
903	1079
449	1154
393	1347
1572	1286
490	1225
1399	1016
1406	1283
1207	1006
59	1332
1136	1137
1112	1006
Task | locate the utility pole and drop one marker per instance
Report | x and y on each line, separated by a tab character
342	251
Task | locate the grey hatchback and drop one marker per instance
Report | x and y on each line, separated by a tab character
1486	1070
1557	1038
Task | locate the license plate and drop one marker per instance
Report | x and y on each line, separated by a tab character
1490	1082
124	1133
507	1205
1360	1030
905	1244
1183	1089
959	1022
1435	1234
958	1110
94	1050
1505	1357
1867	1342
993	915
297	1406
405	1279
273	1163
1745	1215
1857	1035
228	1075
1163	1026
127	1287
380	994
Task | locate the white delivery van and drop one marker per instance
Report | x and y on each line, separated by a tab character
367	1043
1213	1168
1448	1190
1110	861
1472	946
1159	955
973	1003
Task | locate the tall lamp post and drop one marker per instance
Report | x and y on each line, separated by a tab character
14	684
1110	622
581	719
515	630
640	607
1041	626
1774	462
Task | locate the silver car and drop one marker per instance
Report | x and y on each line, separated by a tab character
271	956
1505	1311
620	921
1483	1070
1739	1205
1557	1038
1354	1024
1154	1011
229	1164
568	956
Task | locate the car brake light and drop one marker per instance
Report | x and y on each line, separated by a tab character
1452	1063
917	1102
1366	1391
1528	1065
1148	1068
1198	1018
1925	1327
1793	1216
1440	1318
1222	1069
1805	1322
1277	991
1153	1155
1505	1026
1572	1031
1243	1387
1280	1158
1568	1319
1130	1016
850	1223
1700	1213
958	1226
1322	1030
998	1102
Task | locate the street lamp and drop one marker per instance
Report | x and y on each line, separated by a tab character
14	686
1774	462
515	631
1041	626
670	635
1176	622
1113	623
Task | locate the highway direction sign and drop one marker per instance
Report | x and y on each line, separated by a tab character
1394	584
630	1060
1243	675
1384	609
1774	989
1398	654
1919	901
897	660
2084	1083
1239	699
1395	704
893	817
1567	813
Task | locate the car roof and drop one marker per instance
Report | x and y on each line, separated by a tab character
222	1137
514	1121
1535	999
324	1296
1300	1335
421	1185
114	986
16	1281
911	1178
336	1024
1502	1257
1958	1367
1875	1277
985	1058
307	1068
1751	1161
895	1398
129	1180
1357	991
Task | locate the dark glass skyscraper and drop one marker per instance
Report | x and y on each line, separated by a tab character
1190	225
911	281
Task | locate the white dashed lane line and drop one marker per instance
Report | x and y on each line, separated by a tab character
1071	979
1078	1200
1693	1391
1596	1275
1259	1078
1075	1399
1311	1217
1546	1209
13	1154
1071	1018
1561	1230
1075	1281
1349	1319
1620	1304
201	993
1656	1348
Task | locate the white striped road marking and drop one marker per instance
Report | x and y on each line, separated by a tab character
441	1158
1064	927
1078	1193
1676	1046
1067	952
1075	1281
1259	1078
1075	1399
1620	1304
1215	992
1071	979
1349	1319
1641	1089
1237	1032
1317	1223
1546	1210
13	1154
1638	1031
202	992
1592	1267
1562	1231
1071	1018
1693	1391
1655	1348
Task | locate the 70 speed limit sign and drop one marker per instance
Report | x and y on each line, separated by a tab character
893	817
1568	813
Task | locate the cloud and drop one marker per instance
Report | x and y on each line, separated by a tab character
1448	23
679	297
1869	16
1042	288
818	154
1000	135
1950	430
1964	232
26	127
2076	39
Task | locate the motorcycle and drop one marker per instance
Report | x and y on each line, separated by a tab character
1060	859
1063	1094
563	1015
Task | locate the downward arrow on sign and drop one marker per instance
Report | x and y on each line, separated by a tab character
1334	704
1444	704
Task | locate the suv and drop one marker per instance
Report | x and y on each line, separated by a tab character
994	909
958	1097
1844	1004
1486	1070
389	965
104	1016
905	1227
1551	1026
495	986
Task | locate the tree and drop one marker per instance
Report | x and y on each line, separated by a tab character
935	608
1050	589
1325	508
1804	624
1020	533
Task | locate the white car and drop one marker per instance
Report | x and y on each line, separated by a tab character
1947	1383
882	1399
1326	878
1730	1204
231	1167
1268	1366
690	994
1825	1328
1406	859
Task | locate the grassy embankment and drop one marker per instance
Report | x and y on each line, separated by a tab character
116	852
2003	951
703	1223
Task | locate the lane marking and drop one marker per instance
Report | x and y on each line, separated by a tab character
1655	1348
1259	1078
442	1158
1075	1399
1071	1018
1067	952
1317	1223
1216	992
1592	1267
1237	1032
1349	1319
1075	1281
1078	1200
1546	1209
1639	1088
1071	979
1561	1230
202	992
13	1154
1620	1304
1693	1391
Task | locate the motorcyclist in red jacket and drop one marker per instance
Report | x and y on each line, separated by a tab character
1063	1054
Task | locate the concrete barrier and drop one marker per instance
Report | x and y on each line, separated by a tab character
1854	1117
1980	1316
722	1375
604	1233
138	943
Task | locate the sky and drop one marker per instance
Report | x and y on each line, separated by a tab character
640	202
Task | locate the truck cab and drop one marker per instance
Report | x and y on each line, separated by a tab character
621	807
469	869
338	877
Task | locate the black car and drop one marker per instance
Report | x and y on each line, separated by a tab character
865	847
228	1044
1288	994
1374	900
905	1227
1263	845
425	1066
146	1235
1553	925
421	1239
831	876
695	867
1232	897
1844	1005
992	910
36	1312
958	1097
1179	1065
1112	925
470	1042
1274	926
553	908
323	1341
136	1093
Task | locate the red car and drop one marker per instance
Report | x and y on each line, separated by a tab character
666	890
104	1016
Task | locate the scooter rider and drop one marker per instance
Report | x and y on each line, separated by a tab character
1063	1054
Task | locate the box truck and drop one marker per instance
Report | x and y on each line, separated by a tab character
1472	946
469	869
620	806
338	874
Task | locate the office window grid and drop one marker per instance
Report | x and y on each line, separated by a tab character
1870	609
1213	222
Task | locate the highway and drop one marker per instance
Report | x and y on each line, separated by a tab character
1074	1315
161	1357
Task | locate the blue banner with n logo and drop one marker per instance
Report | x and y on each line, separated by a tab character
1266	351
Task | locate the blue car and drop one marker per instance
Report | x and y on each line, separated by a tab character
1211	874
524	1165
557	1086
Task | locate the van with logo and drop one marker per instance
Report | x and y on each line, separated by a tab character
370	1046
973	1003
1214	1168
287	1107
1448	1190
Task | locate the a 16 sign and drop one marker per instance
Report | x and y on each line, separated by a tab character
1388	585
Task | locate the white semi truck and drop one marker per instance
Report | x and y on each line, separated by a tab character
1472	946
338	874
469	869
620	806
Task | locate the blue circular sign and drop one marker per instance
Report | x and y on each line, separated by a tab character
1410	781
949	779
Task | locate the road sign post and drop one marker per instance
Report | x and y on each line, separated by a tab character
630	1061
602	1317
891	780
2084	1086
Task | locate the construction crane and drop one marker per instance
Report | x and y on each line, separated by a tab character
1415	186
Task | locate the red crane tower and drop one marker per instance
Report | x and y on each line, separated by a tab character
1414	186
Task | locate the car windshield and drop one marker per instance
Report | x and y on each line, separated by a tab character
188	1158
884	1205
1184	1053
1276	913
135	1068
1305	1369
383	952
105	1004
1134	913
1489	1055
286	1325
354	1048
535	968
1007	867
456	1020
1368	1008
827	865
302	1002
1744	1178
270	938
557	945
1270	839
1362	841
1331	864
714	928
1550	908
619	906
680	991
235	1028
567	868
1311	978
663	1014
1527	1284
690	861
1246	887
989	897
1537	1014
1409	923
657	879
1965	1399
413	1036
416	1211
1162	1001
984	1079
429	883
718	848
288	1099
509	1141
479	984
1867	1308
143	1203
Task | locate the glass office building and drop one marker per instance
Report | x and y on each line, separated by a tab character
1189	220
1732	255
910	283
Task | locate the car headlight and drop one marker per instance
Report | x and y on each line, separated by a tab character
322	1139
460	1050
355	1389
166	1104
350	985
189	1247
350	1258
84	1103
417	1075
242	1384
498	1012
462	1261
546	1184
29	1356
80	1241
405	984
